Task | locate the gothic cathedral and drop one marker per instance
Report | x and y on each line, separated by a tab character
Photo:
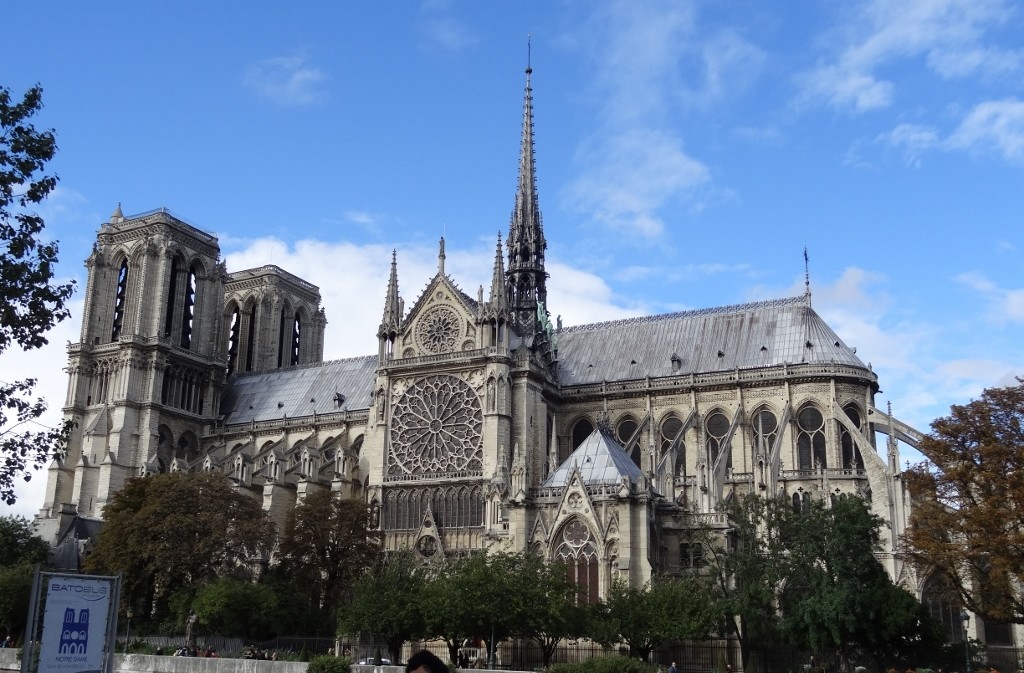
480	424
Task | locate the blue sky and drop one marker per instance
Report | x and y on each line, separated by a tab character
686	154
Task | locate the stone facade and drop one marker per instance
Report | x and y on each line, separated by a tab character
480	424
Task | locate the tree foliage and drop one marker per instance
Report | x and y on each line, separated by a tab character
817	569
30	303
667	609
234	608
169	532
19	543
326	546
967	520
387	601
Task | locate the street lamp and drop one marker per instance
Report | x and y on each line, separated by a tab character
128	632
966	619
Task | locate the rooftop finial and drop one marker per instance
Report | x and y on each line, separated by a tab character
807	276
440	258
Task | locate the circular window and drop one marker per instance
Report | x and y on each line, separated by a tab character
764	421
718	425
436	429
810	419
438	330
626	430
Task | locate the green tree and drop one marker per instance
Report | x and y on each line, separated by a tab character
968	516
550	604
19	543
387	601
231	607
326	546
667	609
838	594
30	303
748	571
15	596
172	532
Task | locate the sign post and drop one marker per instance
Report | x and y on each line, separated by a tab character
76	629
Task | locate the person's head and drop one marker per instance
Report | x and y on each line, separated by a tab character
425	661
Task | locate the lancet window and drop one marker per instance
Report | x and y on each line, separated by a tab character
716	429
233	335
577	550
120	295
852	458
670	429
810	441
580	431
451	506
764	430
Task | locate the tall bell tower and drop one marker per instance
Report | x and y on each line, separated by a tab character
145	378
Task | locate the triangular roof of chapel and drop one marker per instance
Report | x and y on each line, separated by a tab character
600	459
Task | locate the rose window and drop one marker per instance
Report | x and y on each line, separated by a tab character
576	533
438	330
436	429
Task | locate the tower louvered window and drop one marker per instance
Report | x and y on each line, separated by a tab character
188	308
120	296
233	337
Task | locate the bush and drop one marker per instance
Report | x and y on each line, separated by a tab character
611	664
329	664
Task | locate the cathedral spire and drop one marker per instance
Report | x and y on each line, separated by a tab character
526	278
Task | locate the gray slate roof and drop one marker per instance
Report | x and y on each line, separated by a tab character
600	460
745	336
725	338
256	396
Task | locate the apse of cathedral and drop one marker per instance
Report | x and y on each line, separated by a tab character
480	424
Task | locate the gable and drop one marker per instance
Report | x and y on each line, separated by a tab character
442	321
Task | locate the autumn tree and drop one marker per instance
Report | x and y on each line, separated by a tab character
327	544
30	303
967	520
171	532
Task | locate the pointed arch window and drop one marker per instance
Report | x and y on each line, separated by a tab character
580	431
296	335
716	429
670	431
852	459
172	296
120	295
233	337
577	550
188	307
250	345
765	430
810	441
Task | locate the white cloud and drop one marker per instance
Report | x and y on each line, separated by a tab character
450	33
286	80
992	125
948	34
629	177
1004	304
912	139
651	63
46	365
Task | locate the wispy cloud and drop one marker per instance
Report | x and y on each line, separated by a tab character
948	34
993	125
450	33
631	176
912	140
286	80
1004	304
652	63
